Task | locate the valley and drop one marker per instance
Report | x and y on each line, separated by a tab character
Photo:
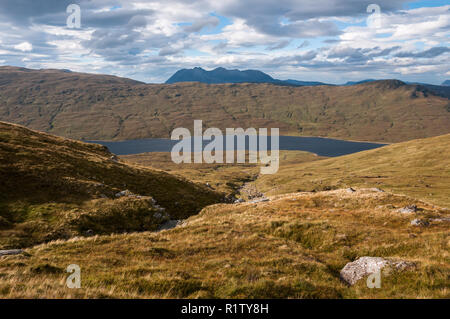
141	226
291	243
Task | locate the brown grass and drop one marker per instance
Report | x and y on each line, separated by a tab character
45	179
291	247
98	107
418	168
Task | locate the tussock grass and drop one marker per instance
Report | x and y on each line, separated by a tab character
225	178
52	187
418	168
285	248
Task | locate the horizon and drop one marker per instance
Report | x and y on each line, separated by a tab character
325	41
349	82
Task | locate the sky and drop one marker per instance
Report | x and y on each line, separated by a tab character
332	41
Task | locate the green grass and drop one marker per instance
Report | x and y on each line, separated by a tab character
225	178
57	188
291	247
418	168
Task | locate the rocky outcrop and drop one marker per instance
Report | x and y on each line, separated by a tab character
170	224
126	193
441	219
365	266
408	209
259	200
419	222
11	252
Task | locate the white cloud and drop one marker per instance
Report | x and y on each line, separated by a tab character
259	34
24	47
418	69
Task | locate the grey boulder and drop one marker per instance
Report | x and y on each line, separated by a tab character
365	266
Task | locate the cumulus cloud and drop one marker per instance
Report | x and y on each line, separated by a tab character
24	47
325	40
430	53
202	23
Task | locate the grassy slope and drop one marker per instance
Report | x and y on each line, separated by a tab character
291	247
46	181
225	178
103	107
418	168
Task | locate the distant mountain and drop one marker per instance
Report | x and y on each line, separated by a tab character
359	82
222	75
439	90
305	83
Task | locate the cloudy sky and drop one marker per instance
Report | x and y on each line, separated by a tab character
322	40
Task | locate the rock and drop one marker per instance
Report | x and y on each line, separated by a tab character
364	266
11	252
159	208
239	200
124	193
341	236
259	200
408	209
350	190
376	189
157	215
169	224
89	233
442	219
419	222
404	265
114	158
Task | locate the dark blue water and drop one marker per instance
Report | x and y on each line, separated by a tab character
320	146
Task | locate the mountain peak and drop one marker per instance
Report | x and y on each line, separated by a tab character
220	75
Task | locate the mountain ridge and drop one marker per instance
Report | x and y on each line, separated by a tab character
221	75
97	107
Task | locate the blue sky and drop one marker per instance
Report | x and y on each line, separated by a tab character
332	41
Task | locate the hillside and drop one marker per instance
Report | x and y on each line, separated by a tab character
418	168
97	107
51	188
225	178
291	246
